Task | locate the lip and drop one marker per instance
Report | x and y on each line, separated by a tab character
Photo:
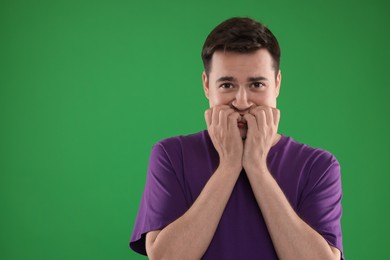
242	125
242	122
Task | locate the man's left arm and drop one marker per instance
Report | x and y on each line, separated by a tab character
292	237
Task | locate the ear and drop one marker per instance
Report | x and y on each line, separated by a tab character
278	82
205	81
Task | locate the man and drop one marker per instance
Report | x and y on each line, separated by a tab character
240	190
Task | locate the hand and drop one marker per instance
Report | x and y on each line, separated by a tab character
224	133
262	124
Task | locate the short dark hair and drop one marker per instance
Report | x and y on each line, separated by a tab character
242	35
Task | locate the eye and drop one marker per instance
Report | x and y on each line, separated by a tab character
257	85
226	86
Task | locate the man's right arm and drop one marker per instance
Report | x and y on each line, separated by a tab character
189	236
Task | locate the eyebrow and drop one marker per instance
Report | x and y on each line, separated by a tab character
260	78
226	78
233	79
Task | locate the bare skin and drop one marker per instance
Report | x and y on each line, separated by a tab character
242	122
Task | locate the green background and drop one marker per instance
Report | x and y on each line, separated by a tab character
87	87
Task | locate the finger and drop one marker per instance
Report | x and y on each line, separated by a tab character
251	121
276	116
263	115
215	115
260	116
269	116
255	108
223	116
233	119
207	116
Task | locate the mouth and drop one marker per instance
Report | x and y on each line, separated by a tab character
242	123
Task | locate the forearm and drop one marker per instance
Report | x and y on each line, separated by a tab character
190	235
291	236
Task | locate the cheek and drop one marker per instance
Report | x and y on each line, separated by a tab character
264	99
259	99
219	99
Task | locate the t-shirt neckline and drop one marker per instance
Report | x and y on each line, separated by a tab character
279	145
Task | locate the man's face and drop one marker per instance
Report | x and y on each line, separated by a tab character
242	81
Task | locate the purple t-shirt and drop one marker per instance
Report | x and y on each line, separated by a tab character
179	168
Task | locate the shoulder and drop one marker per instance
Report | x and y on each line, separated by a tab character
311	164
321	166
177	145
313	155
178	154
194	137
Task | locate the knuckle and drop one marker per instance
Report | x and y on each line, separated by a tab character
249	117
252	112
223	113
231	111
233	116
261	113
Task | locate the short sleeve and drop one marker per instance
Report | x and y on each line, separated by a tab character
163	200
320	206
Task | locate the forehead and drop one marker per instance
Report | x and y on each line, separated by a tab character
241	64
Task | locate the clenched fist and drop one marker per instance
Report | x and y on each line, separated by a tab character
263	125
222	126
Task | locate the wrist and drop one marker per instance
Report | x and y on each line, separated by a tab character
256	167
230	165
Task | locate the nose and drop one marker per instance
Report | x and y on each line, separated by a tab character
241	100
